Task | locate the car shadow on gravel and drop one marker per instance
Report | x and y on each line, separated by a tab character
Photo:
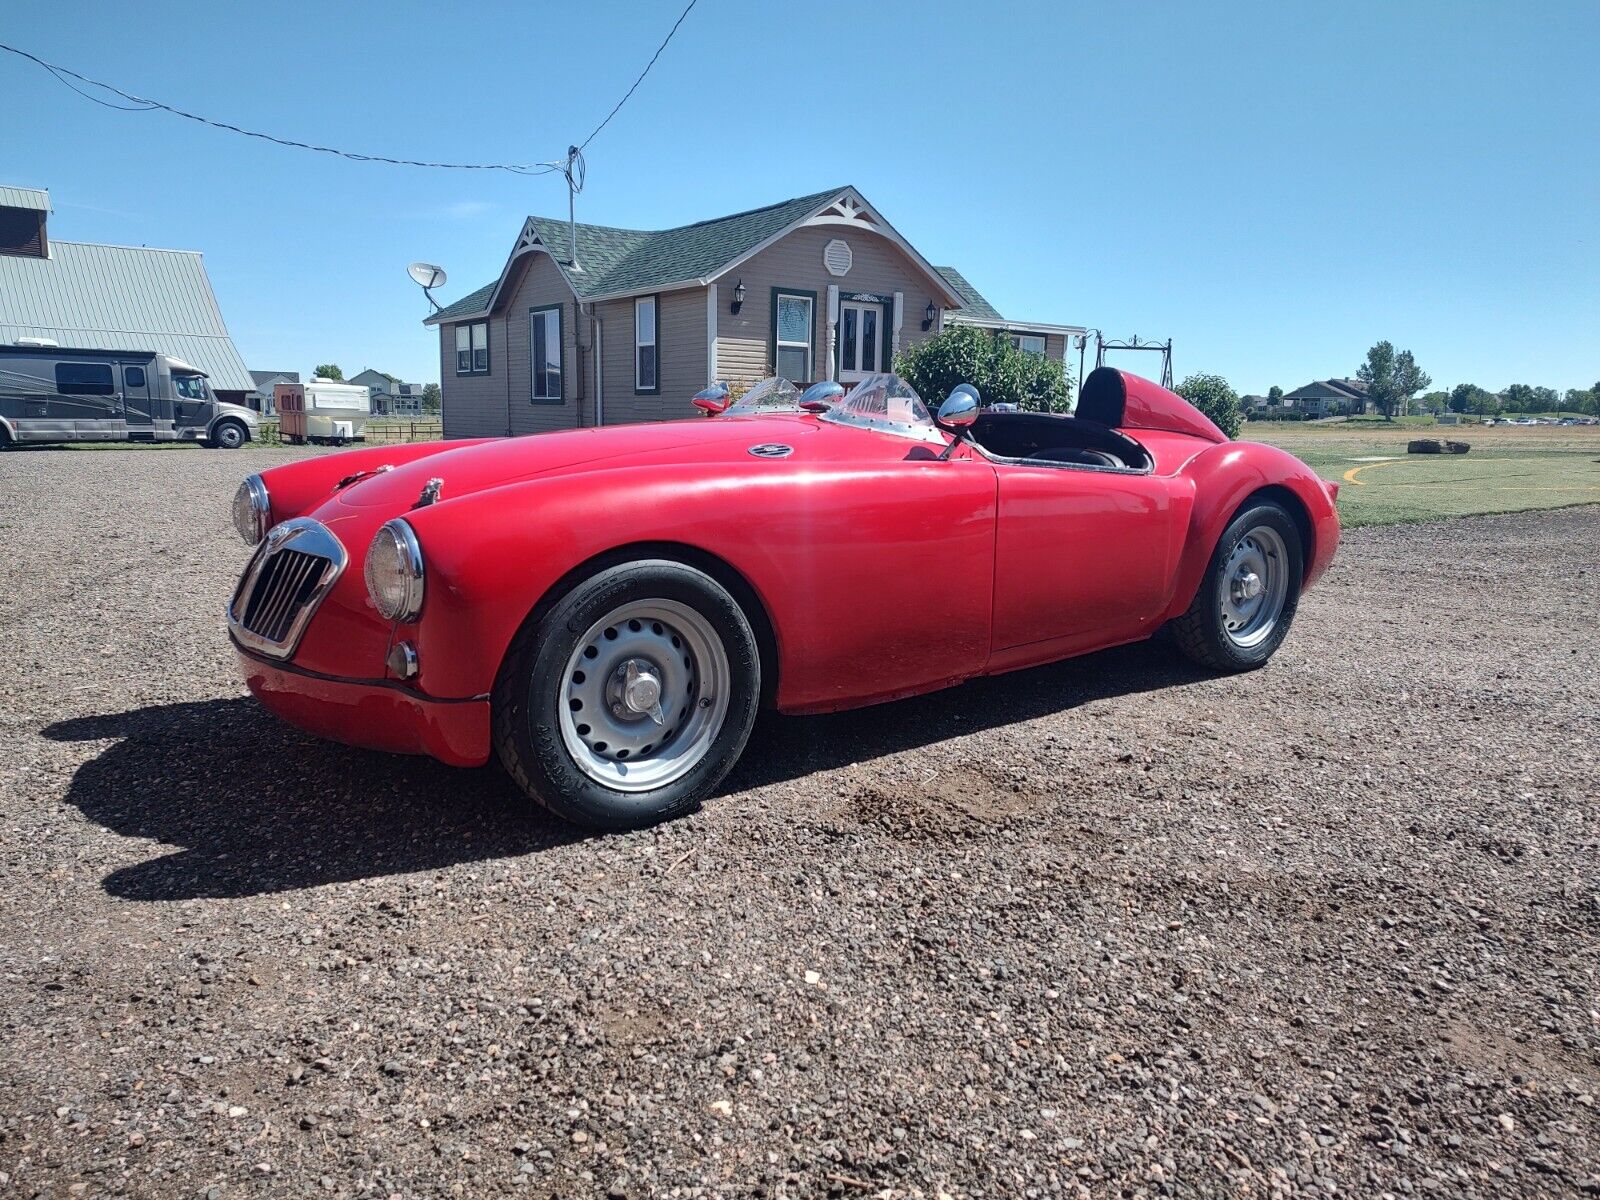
259	807
785	747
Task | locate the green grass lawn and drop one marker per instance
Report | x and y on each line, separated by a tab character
1509	469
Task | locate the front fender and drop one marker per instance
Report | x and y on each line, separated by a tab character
296	488
1227	475
491	555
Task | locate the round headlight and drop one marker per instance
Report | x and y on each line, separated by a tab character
252	511
394	572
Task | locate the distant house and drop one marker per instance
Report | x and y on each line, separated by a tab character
265	381
389	395
101	297
1331	398
630	326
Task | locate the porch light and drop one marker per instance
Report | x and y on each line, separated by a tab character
928	316
738	298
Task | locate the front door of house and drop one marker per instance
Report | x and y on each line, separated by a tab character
860	340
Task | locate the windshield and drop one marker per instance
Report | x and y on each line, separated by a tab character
190	387
888	404
770	395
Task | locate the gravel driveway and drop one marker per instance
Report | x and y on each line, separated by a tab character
1110	928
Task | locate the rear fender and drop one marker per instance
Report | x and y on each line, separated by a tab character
1225	477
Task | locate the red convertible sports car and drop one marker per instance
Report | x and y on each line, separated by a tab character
605	609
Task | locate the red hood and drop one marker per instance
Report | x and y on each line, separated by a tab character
482	465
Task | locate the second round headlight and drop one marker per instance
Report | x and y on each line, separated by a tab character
395	574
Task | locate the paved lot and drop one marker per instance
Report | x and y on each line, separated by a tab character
1111	927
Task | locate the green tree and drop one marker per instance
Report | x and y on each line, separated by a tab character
1212	395
1519	397
1001	372
329	371
1434	402
1391	378
1470	398
1274	396
1544	400
432	399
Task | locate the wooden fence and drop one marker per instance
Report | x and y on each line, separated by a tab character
384	431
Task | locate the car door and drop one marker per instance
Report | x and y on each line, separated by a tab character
1083	557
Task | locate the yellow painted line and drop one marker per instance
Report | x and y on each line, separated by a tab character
1350	475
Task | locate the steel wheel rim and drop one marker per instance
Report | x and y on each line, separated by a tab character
229	437
608	727
1254	587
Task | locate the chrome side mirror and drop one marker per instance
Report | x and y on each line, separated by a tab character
960	408
820	397
713	399
958	414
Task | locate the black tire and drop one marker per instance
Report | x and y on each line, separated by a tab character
531	688
229	435
1202	633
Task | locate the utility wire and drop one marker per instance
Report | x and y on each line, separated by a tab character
65	76
642	74
148	105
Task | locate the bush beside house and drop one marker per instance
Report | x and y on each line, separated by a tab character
1001	372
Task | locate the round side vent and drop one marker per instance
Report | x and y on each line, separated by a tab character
838	257
772	450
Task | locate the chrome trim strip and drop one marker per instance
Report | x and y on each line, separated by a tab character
308	537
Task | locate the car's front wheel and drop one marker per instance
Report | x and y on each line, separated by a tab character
631	698
1249	595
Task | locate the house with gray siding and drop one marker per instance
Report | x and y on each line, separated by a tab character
90	295
1330	398
590	325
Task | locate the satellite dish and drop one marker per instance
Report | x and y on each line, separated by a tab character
426	274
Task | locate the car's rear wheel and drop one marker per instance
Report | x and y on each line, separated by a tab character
1251	590
631	698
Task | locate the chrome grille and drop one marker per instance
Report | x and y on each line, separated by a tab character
294	569
287	581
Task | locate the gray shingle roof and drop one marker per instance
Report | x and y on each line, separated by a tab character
260	377
639	260
470	303
21	197
121	298
972	302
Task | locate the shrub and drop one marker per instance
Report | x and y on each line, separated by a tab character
988	361
1212	396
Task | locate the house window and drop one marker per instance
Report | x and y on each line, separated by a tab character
792	323
84	379
1033	343
544	338
644	345
472	349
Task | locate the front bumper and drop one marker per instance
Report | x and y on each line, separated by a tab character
371	713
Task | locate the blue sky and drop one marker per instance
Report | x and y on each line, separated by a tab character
1274	185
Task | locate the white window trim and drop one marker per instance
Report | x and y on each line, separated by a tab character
639	343
1018	338
536	378
778	344
466	343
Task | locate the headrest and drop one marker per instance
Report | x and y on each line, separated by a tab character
1103	398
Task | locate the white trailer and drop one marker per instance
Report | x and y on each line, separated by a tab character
322	411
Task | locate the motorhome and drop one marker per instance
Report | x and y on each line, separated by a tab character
51	393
